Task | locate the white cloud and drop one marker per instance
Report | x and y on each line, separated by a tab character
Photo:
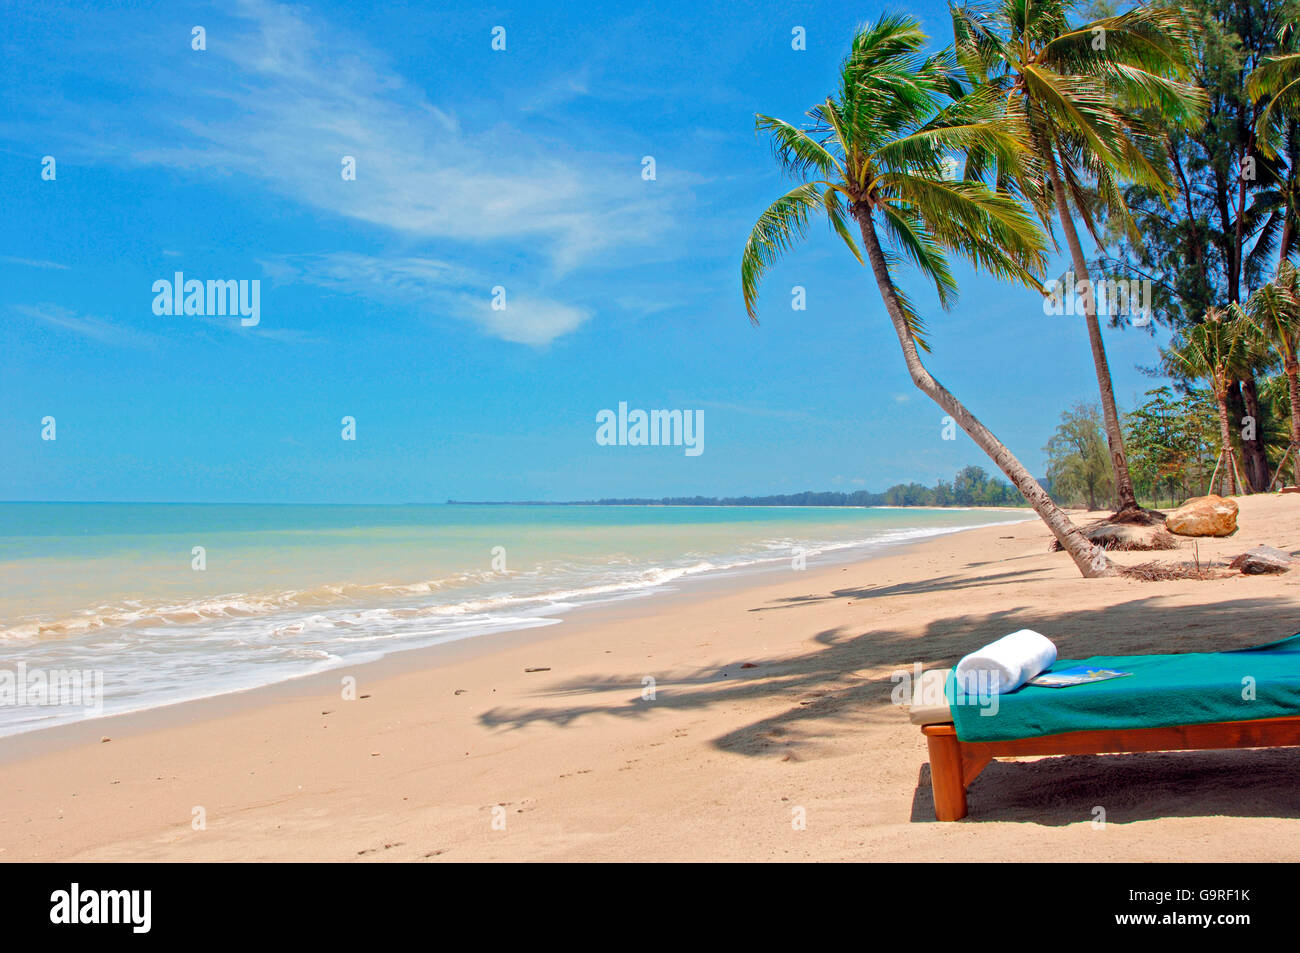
33	263
560	91
304	99
528	320
82	325
280	97
439	287
350	272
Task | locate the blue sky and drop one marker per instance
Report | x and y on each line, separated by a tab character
475	168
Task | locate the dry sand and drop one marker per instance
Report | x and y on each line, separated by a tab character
772	700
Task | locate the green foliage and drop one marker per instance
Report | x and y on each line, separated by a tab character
1275	84
879	150
1218	350
1078	462
1094	97
973	487
1274	310
1172	441
1221	233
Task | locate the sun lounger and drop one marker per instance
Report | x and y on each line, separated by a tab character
1194	701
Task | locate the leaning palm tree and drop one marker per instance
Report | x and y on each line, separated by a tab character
1274	310
1216	350
878	151
1089	94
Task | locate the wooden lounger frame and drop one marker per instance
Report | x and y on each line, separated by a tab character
954	764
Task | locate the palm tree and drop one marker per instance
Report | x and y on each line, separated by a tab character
878	151
1088	94
1216	350
1276	83
1274	310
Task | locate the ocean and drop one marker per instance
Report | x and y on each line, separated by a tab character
170	602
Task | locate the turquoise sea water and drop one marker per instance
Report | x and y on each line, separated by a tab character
289	590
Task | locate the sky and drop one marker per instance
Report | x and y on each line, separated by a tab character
523	170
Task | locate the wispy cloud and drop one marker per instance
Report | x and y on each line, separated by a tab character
757	410
82	325
437	287
282	96
557	92
304	98
33	263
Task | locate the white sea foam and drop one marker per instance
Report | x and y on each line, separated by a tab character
161	651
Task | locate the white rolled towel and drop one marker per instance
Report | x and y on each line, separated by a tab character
1005	665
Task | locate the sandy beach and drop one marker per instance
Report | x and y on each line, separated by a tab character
771	704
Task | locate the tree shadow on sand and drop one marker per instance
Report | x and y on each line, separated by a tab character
937	584
844	683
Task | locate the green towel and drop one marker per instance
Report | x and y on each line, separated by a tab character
1190	689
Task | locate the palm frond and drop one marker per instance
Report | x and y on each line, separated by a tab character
775	232
796	149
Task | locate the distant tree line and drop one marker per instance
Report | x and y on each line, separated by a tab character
972	486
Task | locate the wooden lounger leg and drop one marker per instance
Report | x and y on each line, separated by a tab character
947	779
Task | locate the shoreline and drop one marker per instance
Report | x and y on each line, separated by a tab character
771	692
550	618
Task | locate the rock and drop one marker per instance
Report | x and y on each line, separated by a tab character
1262	559
1204	516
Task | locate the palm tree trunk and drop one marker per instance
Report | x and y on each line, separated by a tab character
1292	367
1090	558
1289	185
1225	444
1256	461
1114	437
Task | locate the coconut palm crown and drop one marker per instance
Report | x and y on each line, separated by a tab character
880	153
1274	310
1276	83
1217	350
1095	98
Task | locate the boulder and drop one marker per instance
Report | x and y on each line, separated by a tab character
1204	516
1262	559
